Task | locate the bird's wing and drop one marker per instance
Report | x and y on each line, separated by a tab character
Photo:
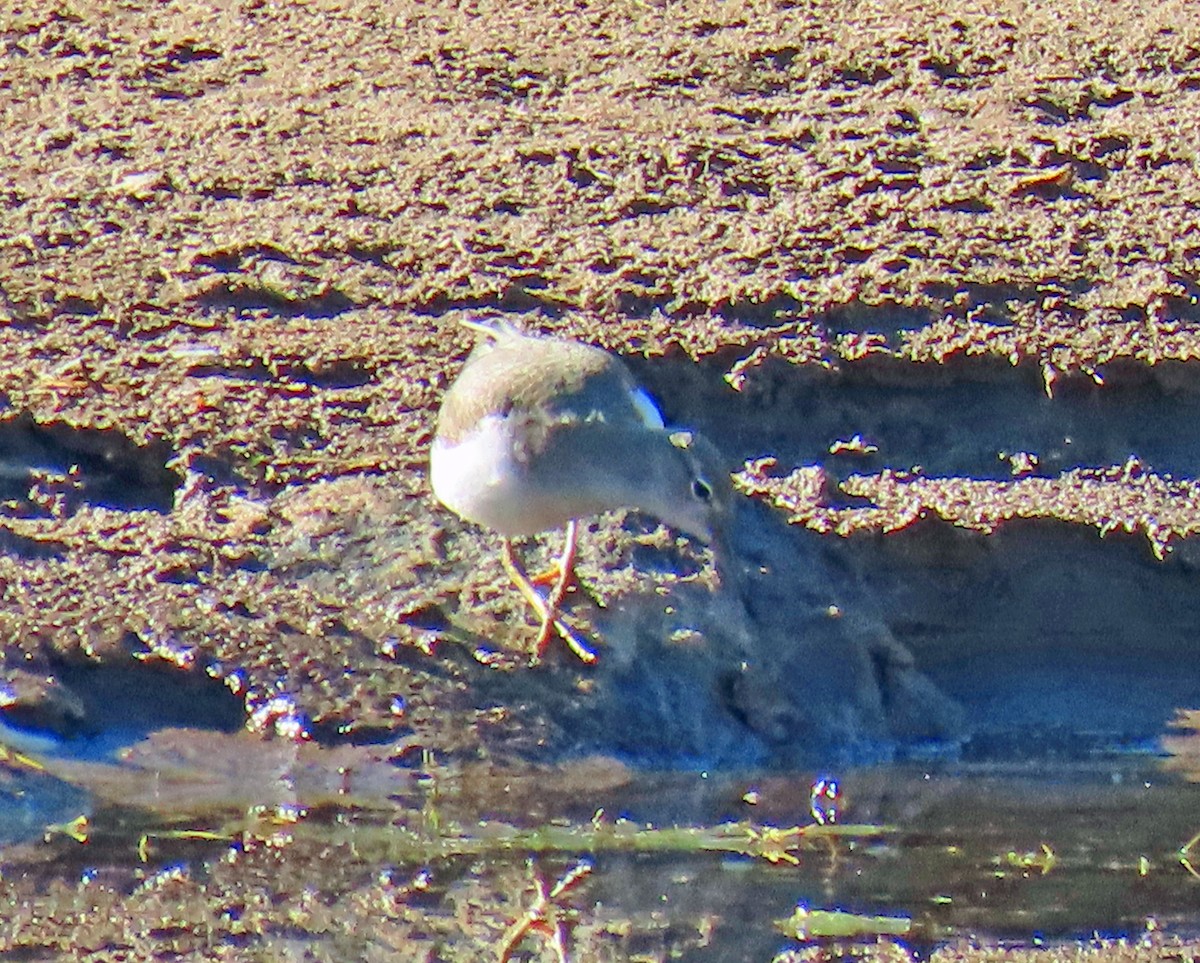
550	382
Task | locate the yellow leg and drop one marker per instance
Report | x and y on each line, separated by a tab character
553	573
566	567
547	608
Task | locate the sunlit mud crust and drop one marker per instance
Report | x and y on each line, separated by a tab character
925	276
925	279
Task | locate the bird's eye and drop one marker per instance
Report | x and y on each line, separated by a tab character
702	489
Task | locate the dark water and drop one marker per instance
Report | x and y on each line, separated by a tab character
996	852
1002	853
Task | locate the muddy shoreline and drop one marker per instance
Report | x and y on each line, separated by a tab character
924	275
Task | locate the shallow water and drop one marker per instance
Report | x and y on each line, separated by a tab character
1003	853
995	852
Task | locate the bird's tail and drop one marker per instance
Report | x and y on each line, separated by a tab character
496	329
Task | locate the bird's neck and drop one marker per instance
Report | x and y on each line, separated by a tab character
604	467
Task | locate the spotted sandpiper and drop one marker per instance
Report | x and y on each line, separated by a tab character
537	432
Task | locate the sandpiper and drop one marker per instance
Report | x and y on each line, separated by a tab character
537	432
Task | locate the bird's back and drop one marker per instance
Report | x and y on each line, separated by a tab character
544	380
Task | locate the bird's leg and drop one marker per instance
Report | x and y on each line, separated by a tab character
553	573
566	571
547	609
563	568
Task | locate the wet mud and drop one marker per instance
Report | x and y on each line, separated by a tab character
924	274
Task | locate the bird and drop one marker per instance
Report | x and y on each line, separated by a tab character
537	432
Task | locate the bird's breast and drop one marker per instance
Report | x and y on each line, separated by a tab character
485	478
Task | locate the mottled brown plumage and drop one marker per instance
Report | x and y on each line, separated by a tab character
504	373
538	432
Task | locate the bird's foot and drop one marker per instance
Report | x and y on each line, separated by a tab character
547	607
552	575
565	632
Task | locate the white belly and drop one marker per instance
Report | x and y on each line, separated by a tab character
480	480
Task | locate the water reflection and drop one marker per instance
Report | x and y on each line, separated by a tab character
685	861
